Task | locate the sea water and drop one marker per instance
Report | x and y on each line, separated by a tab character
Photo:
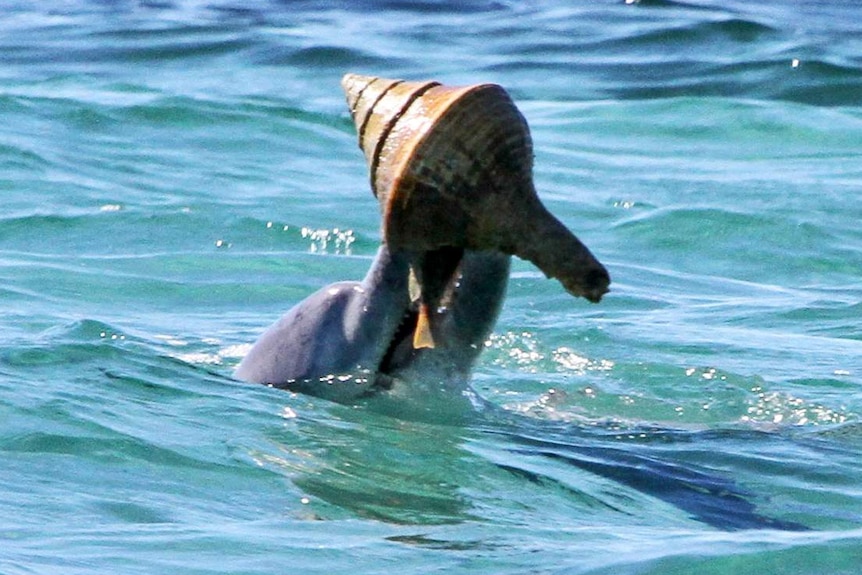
175	175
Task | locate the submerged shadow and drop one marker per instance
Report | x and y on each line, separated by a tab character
637	463
412	472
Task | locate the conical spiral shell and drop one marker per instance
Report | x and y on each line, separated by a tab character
452	166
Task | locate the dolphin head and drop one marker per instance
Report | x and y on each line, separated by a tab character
351	339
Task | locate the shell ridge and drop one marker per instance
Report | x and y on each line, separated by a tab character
380	96
381	141
359	97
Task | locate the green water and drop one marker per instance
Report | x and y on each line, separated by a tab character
176	175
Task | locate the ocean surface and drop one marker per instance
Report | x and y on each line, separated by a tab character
176	175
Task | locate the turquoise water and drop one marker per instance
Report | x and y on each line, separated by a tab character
175	175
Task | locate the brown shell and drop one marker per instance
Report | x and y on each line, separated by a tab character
452	166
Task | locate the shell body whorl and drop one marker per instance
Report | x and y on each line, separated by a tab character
436	153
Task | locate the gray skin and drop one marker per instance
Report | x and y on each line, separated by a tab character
352	339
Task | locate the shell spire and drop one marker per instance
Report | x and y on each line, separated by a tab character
452	167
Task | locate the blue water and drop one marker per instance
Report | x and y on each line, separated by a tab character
175	175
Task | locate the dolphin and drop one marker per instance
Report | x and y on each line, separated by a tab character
351	339
355	339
